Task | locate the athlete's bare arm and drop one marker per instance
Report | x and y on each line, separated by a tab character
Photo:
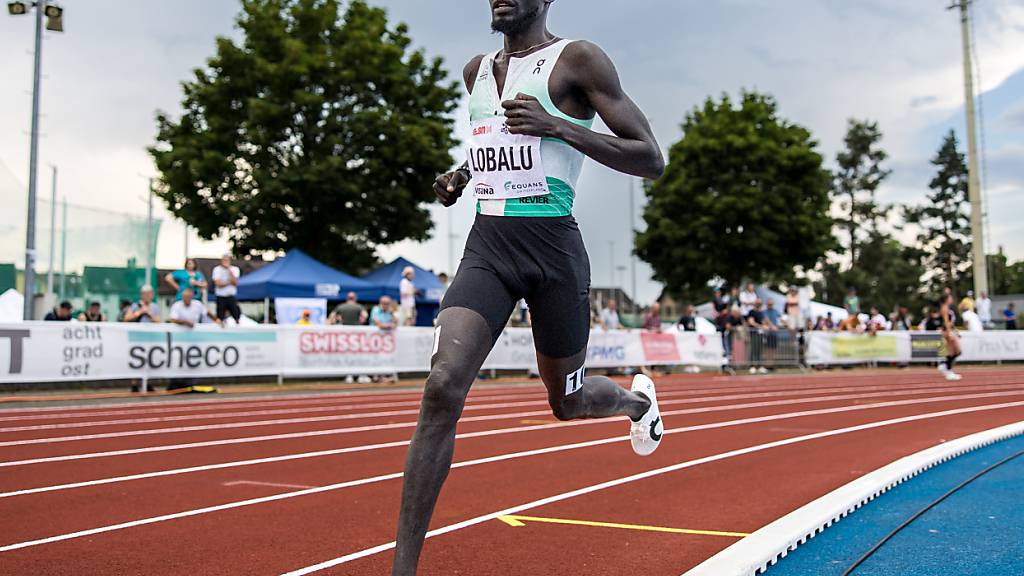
586	74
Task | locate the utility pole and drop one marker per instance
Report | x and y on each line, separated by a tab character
53	231
149	239
33	163
973	181
63	249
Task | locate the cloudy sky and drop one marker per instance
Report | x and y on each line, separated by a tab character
894	61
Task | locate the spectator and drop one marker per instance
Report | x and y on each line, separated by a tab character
825	323
851	324
145	310
349	313
983	306
720	303
225	286
877	321
932	321
382	316
187	277
758	324
125	308
967	303
900	320
732	325
1010	315
772	316
188	311
794	316
609	317
972	321
652	320
306	319
688	321
61	313
852	302
747	299
407	291
92	313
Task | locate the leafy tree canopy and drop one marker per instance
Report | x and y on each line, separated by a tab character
321	130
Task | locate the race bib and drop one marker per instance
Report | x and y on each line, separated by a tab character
504	165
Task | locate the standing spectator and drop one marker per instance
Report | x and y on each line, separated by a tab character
187	277
983	306
972	321
61	313
382	316
92	313
794	316
225	285
967	303
609	317
772	316
124	309
145	310
901	321
407	291
349	313
652	320
747	299
1010	315
877	321
825	323
758	325
688	321
852	302
306	319
188	311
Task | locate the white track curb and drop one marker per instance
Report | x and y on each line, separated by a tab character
755	553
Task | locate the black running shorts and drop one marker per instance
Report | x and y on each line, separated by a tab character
540	259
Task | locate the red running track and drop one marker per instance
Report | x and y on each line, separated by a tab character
311	484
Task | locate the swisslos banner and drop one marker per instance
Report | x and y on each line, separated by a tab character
50	351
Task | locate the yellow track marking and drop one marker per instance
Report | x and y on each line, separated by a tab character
517	521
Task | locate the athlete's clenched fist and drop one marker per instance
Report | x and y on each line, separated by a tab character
448	187
526	115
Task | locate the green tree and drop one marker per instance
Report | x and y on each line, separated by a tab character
321	129
889	275
855	185
1005	278
945	225
744	196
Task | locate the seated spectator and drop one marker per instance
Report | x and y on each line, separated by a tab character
609	317
652	320
92	314
851	324
145	310
61	313
188	311
688	321
382	316
123	310
877	322
772	316
1010	315
349	313
306	319
825	323
900	320
967	303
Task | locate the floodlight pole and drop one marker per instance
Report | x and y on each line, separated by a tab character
149	238
63	249
973	180
53	231
33	162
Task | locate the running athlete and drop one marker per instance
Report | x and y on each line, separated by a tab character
532	105
950	336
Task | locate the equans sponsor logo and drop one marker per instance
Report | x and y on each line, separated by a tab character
483	189
167	354
17	338
377	343
524	187
503	159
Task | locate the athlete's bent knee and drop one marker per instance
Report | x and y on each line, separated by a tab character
441	396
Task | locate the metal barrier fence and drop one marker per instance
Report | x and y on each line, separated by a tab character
760	350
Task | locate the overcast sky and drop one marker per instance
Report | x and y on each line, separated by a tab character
894	61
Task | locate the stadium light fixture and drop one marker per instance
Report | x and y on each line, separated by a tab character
54	18
17	8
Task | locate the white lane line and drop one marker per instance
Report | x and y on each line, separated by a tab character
539	400
500	431
648	474
270	484
492	417
388	414
352	483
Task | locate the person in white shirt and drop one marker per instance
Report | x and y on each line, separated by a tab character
188	311
407	300
983	306
610	316
973	321
748	298
877	321
225	286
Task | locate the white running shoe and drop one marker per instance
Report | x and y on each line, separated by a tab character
646	434
943	369
953	376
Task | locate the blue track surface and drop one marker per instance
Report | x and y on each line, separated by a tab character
979	530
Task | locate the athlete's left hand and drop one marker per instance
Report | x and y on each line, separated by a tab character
526	115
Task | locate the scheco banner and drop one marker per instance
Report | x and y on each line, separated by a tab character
49	352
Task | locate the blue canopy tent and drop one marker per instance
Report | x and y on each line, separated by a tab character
298	275
388	276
